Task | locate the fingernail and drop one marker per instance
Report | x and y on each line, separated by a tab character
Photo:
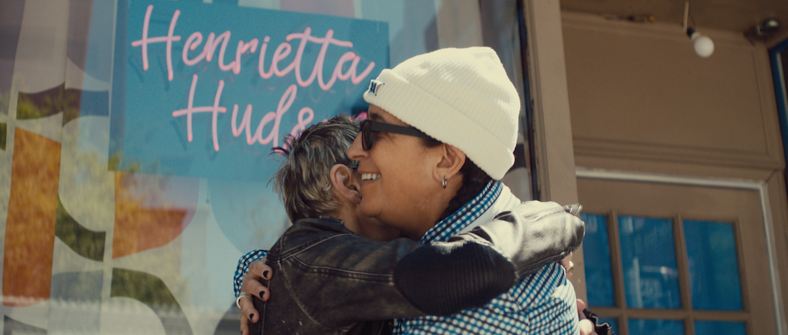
265	274
261	294
251	316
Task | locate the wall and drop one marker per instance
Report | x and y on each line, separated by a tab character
554	157
642	101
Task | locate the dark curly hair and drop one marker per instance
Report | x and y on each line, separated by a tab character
474	179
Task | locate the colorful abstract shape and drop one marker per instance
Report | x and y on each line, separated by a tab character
153	292
249	214
230	322
47	103
30	227
72	102
3	134
11	14
150	211
85	242
90	103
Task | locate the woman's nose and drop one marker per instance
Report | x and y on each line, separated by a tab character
356	152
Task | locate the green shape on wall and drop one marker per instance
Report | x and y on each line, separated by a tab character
3	134
153	292
85	242
46	103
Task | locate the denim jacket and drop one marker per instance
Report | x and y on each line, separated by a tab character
328	280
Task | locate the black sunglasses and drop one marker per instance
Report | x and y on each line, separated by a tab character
369	128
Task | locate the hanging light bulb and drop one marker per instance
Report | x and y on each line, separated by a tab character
703	45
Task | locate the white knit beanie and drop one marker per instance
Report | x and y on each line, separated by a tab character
461	97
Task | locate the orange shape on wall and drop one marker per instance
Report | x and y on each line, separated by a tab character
147	214
30	227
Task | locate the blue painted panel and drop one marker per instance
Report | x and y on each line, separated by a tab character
655	327
719	328
596	255
713	265
207	90
648	256
412	25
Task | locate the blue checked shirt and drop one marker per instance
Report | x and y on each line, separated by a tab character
542	303
243	268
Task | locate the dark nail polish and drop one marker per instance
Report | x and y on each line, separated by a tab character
261	294
265	274
251	315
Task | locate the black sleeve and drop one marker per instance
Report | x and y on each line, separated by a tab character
526	238
444	278
360	279
347	278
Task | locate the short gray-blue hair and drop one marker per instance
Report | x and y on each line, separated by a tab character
303	180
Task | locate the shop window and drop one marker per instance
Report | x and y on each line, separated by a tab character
118	224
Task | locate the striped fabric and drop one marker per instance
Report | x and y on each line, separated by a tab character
542	303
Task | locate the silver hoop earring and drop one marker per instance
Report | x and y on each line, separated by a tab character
443	182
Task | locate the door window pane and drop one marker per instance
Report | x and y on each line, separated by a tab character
648	258
713	265
655	327
719	328
596	254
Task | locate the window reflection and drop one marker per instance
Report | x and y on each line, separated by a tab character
648	257
713	265
596	254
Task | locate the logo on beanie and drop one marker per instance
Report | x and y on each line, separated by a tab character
374	85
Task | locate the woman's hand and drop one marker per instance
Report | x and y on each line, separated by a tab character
585	325
251	286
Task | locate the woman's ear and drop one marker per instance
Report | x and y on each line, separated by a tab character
450	163
345	183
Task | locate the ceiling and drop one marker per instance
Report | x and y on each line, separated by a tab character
730	15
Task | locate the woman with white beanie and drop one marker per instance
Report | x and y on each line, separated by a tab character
441	133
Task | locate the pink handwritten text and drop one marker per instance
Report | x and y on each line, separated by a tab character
277	66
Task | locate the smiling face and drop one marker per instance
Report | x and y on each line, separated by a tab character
345	183
400	182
